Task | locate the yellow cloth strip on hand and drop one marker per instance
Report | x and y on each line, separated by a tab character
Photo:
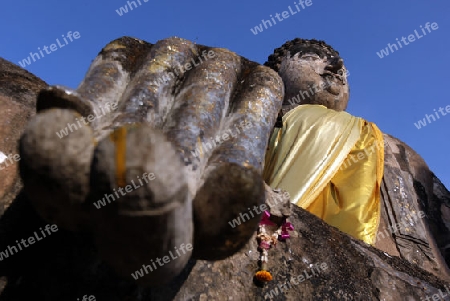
331	163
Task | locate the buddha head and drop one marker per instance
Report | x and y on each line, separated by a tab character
312	72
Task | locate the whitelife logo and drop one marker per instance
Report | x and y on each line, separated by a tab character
188	66
146	177
53	47
411	38
284	15
86	298
430	118
315	89
206	146
31	240
165	259
11	158
108	107
124	9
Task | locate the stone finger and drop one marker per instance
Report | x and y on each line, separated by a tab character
148	97
140	204
55	170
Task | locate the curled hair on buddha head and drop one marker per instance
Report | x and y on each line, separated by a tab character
299	45
313	74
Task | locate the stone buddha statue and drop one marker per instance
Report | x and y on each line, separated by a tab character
413	221
206	133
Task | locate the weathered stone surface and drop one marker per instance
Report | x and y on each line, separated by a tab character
278	202
18	90
355	271
409	187
66	266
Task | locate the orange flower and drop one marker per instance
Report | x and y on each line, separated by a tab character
263	276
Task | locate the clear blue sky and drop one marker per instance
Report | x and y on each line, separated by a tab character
394	92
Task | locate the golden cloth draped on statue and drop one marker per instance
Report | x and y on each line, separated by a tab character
331	163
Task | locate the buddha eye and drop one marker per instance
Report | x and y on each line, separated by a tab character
310	56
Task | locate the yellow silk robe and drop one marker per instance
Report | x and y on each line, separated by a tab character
331	163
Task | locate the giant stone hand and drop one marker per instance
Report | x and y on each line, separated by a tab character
197	118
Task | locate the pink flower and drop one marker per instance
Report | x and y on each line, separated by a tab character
287	226
264	245
284	236
265	220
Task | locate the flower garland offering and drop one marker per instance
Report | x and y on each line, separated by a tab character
268	235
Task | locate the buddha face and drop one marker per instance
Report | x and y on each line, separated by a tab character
312	73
